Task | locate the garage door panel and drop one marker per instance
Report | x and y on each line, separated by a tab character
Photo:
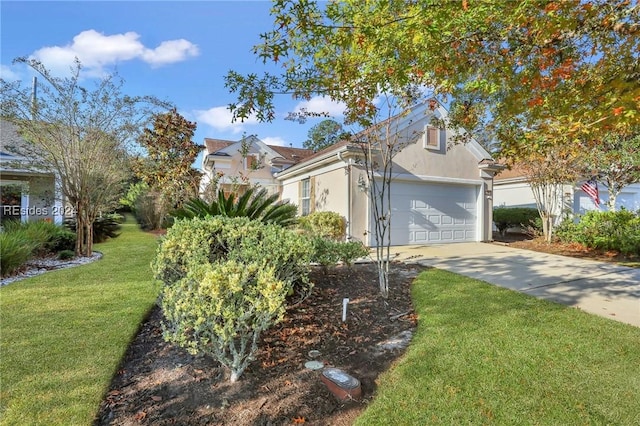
437	213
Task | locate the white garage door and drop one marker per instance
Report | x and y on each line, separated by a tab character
433	213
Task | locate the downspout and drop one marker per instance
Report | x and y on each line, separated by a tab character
348	194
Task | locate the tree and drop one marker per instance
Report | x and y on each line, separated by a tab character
502	65
80	135
167	166
615	160
324	134
548	169
379	144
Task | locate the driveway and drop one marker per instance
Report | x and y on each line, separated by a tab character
601	288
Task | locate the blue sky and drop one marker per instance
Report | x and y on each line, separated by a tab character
179	51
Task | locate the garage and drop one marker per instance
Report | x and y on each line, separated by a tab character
433	213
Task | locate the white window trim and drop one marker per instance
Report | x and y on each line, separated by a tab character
425	138
307	198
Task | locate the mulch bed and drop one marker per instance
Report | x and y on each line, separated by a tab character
161	384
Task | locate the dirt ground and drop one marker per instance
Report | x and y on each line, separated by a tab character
160	384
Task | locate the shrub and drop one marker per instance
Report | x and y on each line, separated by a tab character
192	242
328	252
630	244
352	250
62	240
16	249
221	309
609	230
255	205
566	231
325	252
46	237
37	233
509	217
324	224
66	254
104	227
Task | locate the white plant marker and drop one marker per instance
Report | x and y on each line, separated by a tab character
345	302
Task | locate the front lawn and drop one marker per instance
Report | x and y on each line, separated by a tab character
64	333
487	355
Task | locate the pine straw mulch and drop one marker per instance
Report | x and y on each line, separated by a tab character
161	384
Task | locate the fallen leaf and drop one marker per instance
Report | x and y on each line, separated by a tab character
156	398
298	420
140	415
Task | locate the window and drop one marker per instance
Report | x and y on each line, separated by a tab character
15	201
305	197
431	138
253	162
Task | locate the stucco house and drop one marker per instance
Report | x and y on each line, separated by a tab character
511	189
441	192
248	161
28	193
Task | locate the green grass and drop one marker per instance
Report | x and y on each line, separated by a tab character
487	355
64	333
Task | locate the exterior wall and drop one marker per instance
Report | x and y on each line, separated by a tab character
234	169
519	194
628	198
330	192
513	195
456	162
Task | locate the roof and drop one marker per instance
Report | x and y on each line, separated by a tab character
215	145
293	154
290	154
514	172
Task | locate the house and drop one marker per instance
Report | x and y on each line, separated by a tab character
249	161
441	192
27	192
511	189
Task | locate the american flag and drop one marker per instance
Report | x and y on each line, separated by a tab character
590	187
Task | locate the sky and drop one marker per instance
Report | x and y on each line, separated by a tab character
178	51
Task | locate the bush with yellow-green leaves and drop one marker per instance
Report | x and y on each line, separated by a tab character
225	281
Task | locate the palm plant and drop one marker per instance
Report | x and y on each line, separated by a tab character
256	205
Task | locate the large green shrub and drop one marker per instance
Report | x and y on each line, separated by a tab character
45	237
253	204
221	309
610	230
104	227
328	252
226	280
324	224
215	239
15	249
510	217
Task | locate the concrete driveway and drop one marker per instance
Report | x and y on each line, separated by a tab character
601	288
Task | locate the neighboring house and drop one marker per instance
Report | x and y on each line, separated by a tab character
440	193
249	161
28	194
511	189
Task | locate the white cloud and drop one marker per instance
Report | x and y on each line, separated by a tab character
8	74
322	104
220	119
96	50
274	140
170	51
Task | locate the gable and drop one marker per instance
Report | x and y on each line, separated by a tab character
417	157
